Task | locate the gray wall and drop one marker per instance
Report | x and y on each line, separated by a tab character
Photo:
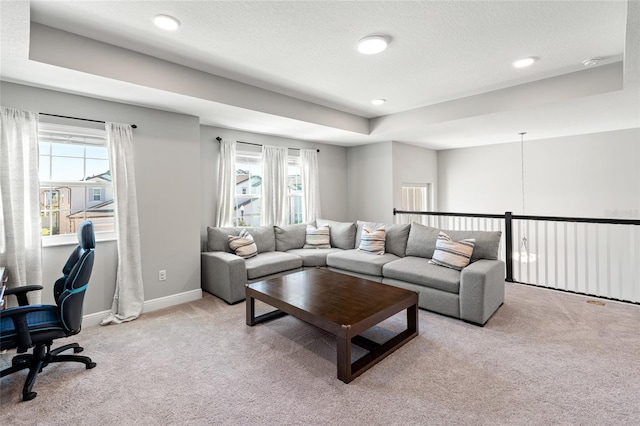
376	174
370	182
332	164
166	148
413	164
592	175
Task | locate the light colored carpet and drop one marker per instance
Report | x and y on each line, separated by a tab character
544	358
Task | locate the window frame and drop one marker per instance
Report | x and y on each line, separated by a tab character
248	153
81	136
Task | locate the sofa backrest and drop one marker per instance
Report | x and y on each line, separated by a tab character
395	238
289	237
487	242
341	234
422	241
218	238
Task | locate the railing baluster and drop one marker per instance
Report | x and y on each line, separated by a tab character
597	265
566	258
555	253
575	256
527	263
635	255
546	255
586	257
536	251
608	248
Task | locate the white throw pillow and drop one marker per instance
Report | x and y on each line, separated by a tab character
318	238
372	241
452	254
243	245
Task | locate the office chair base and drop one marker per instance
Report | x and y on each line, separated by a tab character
41	357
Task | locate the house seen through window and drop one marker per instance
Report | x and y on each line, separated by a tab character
247	208
75	179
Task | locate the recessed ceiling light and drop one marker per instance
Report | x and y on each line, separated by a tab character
378	101
166	22
373	44
591	62
525	62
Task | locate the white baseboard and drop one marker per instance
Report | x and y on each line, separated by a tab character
148	306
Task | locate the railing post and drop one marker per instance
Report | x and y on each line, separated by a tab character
508	245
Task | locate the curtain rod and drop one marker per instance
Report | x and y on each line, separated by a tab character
258	144
133	126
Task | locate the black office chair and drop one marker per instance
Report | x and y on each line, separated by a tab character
37	326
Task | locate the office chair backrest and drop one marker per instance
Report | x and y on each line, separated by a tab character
70	288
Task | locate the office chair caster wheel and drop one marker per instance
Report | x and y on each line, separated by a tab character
29	396
78	350
91	365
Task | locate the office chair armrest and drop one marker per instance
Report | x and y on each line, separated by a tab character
19	317
21	293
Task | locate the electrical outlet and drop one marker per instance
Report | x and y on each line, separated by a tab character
162	275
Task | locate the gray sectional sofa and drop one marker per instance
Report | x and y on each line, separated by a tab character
472	294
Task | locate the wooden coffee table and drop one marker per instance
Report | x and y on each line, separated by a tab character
342	305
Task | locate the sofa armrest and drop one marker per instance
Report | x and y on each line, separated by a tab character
224	275
481	290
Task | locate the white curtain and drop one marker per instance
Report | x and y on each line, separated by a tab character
20	239
129	294
274	186
226	183
310	184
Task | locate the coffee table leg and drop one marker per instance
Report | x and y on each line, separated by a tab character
251	310
344	358
412	318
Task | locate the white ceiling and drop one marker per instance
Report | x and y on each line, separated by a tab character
291	68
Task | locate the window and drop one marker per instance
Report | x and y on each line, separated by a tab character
416	197
96	194
249	189
295	191
75	179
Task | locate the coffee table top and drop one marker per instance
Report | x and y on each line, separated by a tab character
343	300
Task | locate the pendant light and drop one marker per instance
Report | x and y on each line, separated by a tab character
524	255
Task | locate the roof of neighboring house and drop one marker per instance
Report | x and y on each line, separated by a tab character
106	176
98	208
255	180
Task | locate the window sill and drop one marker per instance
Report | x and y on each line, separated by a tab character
72	239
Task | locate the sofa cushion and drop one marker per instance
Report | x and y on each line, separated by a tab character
452	254
218	238
360	262
487	243
317	238
422	240
289	237
271	263
372	240
243	245
395	239
314	257
264	237
418	270
343	234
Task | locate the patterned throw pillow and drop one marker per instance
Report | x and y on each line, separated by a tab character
243	245
318	238
452	254
372	241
